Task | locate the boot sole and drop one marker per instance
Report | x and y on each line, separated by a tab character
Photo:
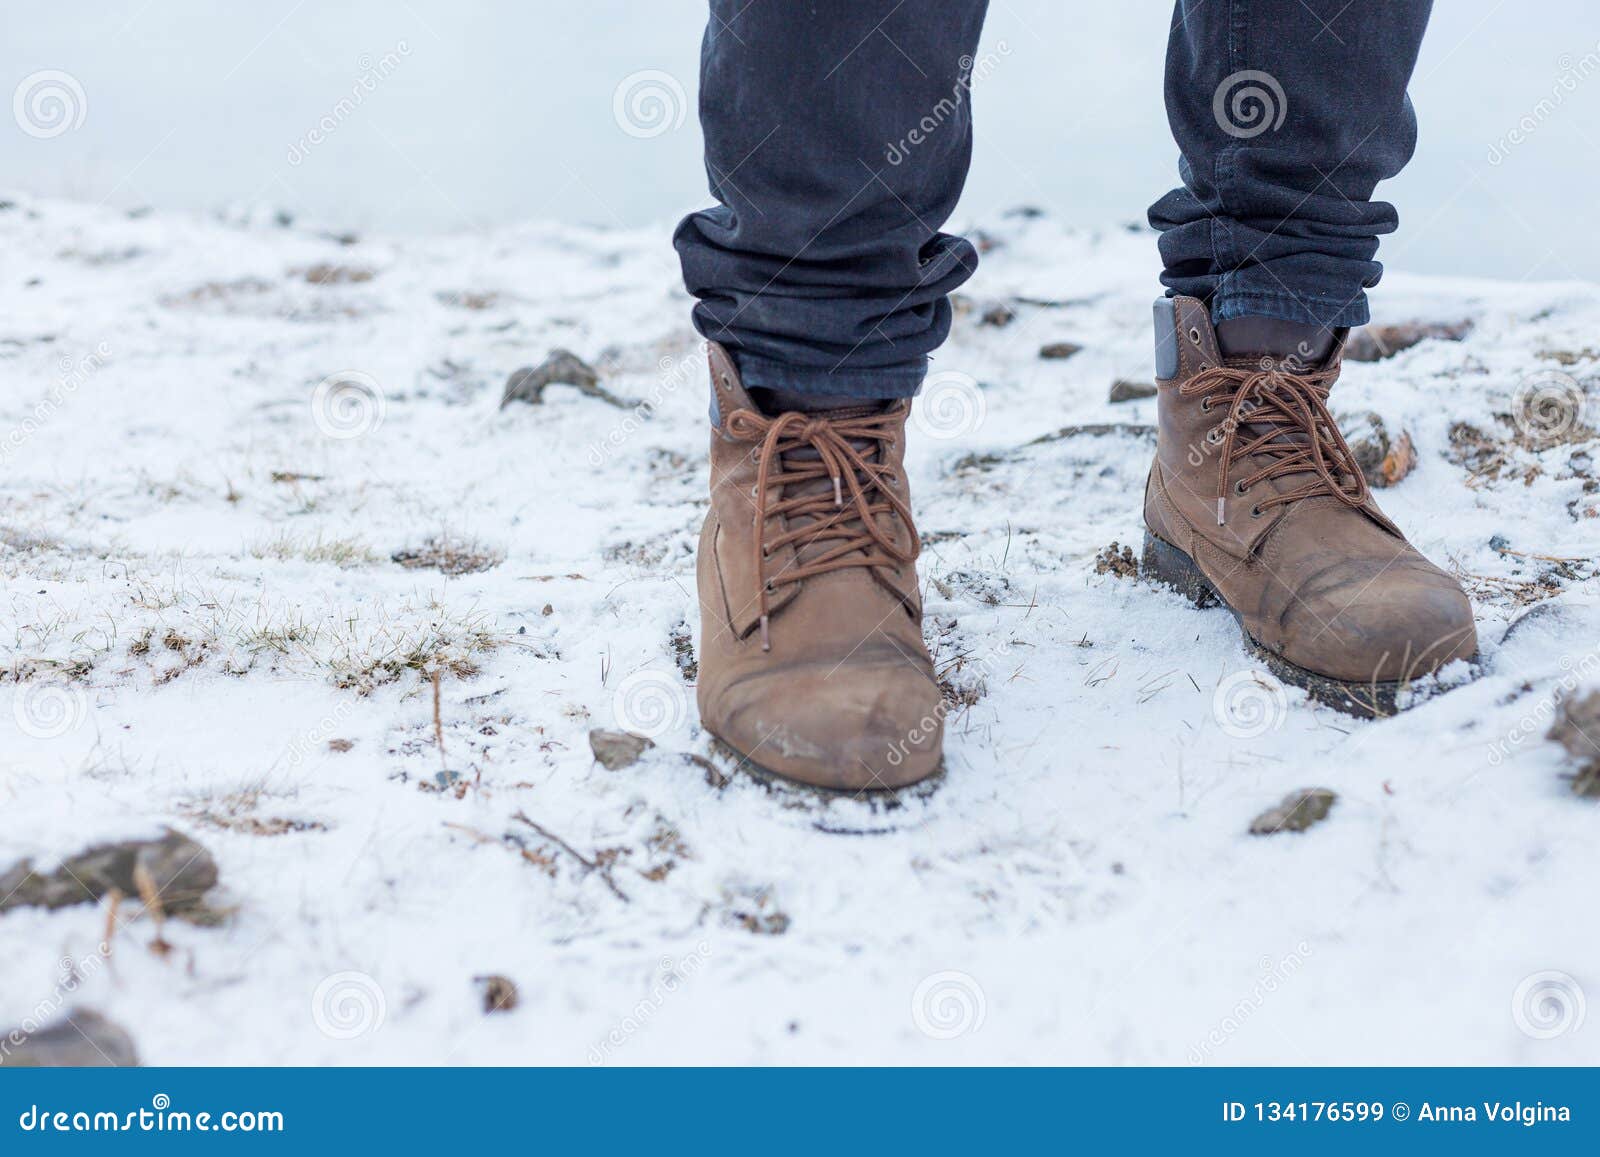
1370	699
884	798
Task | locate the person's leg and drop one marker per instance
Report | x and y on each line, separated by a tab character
837	139
837	134
1287	114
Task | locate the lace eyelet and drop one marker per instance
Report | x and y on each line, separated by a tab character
1255	512
1239	487
1194	334
1205	405
769	586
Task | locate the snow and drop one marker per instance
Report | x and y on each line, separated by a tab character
196	580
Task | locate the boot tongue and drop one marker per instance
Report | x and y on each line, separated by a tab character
1262	343
1290	346
868	447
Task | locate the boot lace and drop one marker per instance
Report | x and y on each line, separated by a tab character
1282	417
847	452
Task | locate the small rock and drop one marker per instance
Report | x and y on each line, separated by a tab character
1298	811
1577	728
180	870
82	1039
1059	350
340	745
499	993
999	315
1373	343
617	749
563	366
1384	461
1123	390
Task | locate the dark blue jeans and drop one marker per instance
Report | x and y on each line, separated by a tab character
838	135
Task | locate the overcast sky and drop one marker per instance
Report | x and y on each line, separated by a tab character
494	112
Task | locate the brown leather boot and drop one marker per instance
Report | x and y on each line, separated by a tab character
1256	501
812	664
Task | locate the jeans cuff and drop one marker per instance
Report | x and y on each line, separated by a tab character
1225	306
902	381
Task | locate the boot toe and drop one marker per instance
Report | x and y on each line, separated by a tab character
1402	628
849	728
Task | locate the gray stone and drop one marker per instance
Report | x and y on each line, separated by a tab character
1297	812
617	749
81	1039
180	870
1123	390
564	367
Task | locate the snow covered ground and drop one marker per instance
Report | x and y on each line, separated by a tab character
215	435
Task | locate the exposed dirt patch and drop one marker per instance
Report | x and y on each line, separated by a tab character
450	555
1117	560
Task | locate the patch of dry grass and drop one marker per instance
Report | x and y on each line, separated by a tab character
340	552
